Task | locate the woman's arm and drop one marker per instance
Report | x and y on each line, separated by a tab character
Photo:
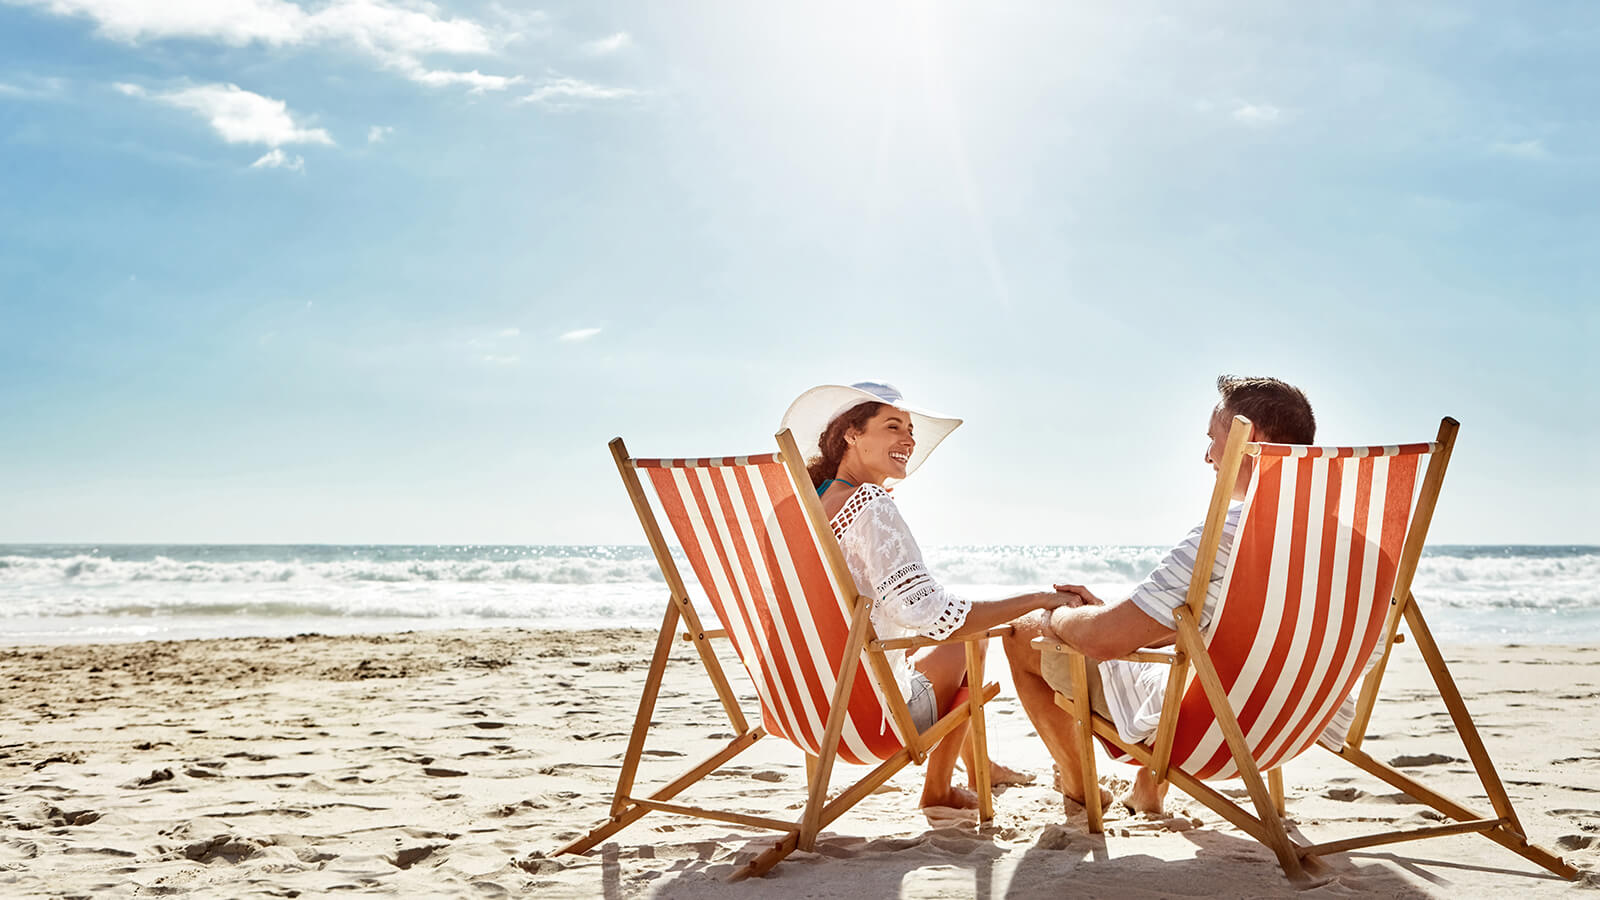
986	614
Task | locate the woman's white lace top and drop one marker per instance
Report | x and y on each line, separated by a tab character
887	565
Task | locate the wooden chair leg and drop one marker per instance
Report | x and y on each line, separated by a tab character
1277	838
980	737
1079	673
1275	785
763	863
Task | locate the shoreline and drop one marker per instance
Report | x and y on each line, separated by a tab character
526	629
454	762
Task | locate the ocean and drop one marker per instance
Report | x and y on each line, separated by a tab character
59	593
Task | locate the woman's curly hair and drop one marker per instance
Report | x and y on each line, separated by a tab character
832	442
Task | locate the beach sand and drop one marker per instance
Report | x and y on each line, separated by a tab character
455	763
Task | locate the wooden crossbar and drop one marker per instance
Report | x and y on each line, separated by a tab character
856	792
718	814
632	812
1512	839
916	643
1403	834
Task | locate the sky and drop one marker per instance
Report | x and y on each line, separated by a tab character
380	271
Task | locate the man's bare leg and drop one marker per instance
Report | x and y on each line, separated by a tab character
1052	723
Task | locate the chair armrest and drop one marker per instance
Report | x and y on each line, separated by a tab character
1158	655
912	643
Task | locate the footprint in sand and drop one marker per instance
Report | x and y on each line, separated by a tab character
1426	759
230	848
60	817
1345	795
1577	841
538	865
155	777
410	856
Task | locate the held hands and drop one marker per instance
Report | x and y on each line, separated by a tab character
1077	595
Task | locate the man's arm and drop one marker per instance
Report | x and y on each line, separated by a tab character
1106	632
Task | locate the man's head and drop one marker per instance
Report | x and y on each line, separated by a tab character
1279	413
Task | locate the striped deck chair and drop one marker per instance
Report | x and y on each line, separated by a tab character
755	535
1316	586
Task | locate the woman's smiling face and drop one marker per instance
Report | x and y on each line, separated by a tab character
882	447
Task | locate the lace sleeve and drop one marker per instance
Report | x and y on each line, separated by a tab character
885	560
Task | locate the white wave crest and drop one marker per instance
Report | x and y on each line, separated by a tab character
90	571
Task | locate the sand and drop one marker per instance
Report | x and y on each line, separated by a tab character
454	764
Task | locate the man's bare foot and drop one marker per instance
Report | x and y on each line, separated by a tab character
954	797
1147	795
1000	775
1076	794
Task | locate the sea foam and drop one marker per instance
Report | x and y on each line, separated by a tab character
91	593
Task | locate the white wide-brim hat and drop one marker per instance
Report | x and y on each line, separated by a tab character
813	411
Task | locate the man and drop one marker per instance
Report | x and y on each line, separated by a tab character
1130	694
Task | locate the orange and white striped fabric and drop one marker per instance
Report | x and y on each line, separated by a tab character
1304	598
752	547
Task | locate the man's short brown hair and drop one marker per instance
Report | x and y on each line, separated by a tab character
1279	410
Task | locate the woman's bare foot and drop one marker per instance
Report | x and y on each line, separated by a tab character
1147	795
953	796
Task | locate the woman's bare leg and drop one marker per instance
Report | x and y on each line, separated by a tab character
945	667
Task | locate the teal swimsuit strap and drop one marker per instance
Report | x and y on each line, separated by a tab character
824	486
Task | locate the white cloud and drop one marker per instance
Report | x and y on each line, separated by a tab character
509	332
1532	149
476	82
580	334
1257	113
237	115
377	134
277	159
497	360
568	92
608	45
397	35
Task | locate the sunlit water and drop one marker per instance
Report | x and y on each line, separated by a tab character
72	593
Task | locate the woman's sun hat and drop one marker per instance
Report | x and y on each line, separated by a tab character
811	413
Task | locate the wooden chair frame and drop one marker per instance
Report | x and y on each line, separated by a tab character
627	805
1266	794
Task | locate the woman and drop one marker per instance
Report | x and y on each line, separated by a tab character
857	440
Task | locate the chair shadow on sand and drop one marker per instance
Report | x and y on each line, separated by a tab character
982	862
951	854
1092	867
